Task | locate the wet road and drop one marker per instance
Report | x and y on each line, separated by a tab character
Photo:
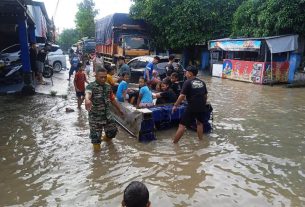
254	157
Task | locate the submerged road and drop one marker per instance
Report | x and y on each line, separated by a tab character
254	157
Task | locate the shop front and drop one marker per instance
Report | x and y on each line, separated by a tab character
259	61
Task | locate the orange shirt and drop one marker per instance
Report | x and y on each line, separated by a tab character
80	79
110	80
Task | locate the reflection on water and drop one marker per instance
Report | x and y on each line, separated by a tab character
254	157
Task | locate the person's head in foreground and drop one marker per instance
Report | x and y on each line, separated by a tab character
191	71
136	195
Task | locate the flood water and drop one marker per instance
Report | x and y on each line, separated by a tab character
254	157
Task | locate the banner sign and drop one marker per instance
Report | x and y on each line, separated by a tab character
238	45
243	70
255	72
279	73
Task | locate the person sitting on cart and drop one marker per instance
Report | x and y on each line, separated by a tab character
175	84
167	95
145	98
110	80
121	93
155	79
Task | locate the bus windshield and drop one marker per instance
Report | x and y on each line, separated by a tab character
136	43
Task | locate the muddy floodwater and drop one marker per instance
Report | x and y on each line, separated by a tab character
254	157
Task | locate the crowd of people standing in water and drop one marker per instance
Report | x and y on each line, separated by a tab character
153	90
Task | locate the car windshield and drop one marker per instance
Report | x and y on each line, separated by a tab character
136	43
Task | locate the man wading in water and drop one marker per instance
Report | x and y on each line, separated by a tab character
99	95
195	92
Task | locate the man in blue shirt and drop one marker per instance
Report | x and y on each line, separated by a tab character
149	69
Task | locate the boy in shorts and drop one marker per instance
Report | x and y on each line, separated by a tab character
79	84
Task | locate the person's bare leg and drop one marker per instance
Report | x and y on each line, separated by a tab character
79	102
179	133
199	130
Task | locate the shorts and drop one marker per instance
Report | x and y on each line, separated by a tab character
189	117
80	94
72	69
39	66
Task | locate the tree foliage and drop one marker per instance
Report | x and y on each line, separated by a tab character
67	38
183	23
84	18
258	18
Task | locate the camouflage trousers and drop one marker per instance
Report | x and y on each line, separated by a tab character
100	123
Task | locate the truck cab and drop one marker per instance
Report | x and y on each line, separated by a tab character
133	45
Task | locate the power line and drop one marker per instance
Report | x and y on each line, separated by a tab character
56	9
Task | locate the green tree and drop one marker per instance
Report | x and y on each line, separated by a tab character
84	18
258	18
183	23
68	37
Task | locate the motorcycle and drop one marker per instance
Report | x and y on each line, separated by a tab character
47	69
11	74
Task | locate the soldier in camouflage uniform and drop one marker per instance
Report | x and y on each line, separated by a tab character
98	98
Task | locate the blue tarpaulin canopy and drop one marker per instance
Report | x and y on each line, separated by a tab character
104	27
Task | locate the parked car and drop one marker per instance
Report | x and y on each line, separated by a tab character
137	66
10	54
56	57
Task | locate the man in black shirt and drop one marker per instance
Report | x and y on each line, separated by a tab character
33	58
169	67
195	92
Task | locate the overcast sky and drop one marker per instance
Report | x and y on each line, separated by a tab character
65	14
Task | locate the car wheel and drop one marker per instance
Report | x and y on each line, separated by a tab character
57	66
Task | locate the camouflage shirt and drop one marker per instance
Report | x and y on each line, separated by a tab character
101	97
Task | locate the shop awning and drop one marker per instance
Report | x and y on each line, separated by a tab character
282	43
276	44
236	45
